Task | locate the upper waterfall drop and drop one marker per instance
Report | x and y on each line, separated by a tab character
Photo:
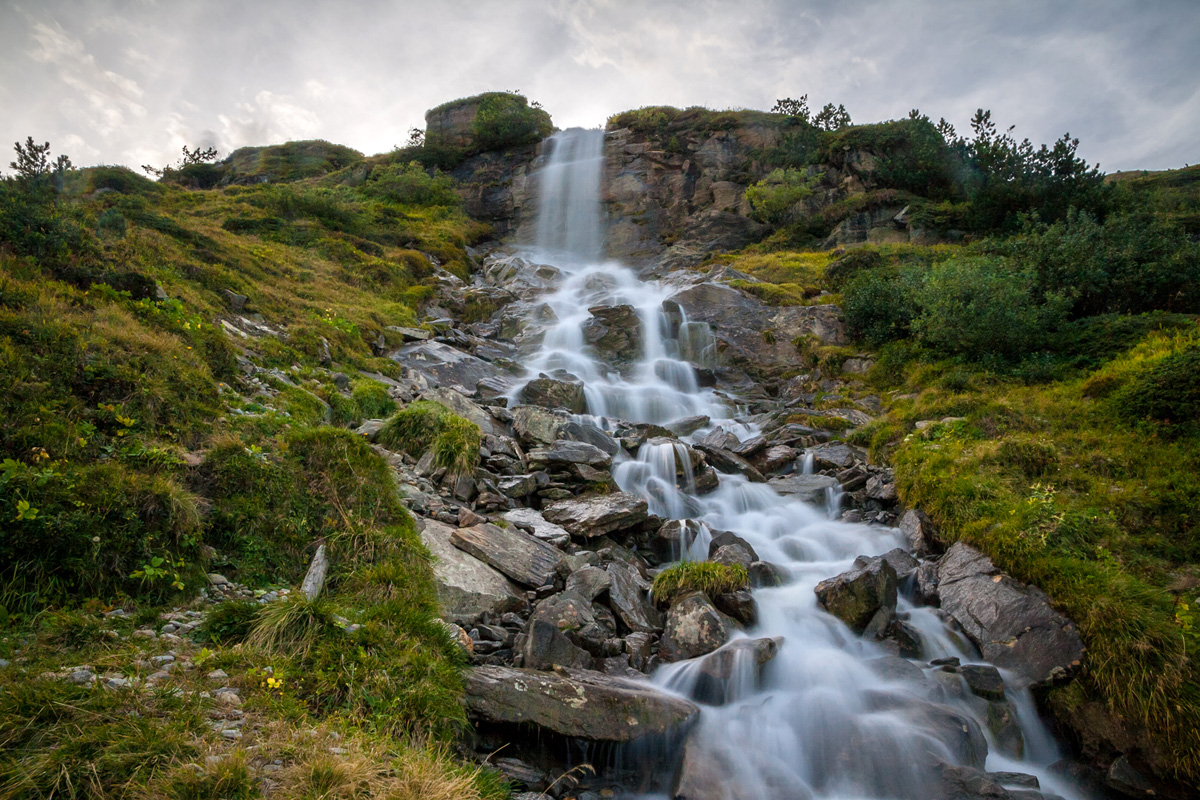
570	224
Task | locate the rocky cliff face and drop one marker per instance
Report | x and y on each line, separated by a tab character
669	203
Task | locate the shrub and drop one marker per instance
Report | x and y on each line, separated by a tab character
698	576
410	184
507	120
372	399
1165	390
1033	458
880	306
423	425
984	309
775	198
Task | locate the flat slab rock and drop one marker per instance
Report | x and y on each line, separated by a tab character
594	516
808	489
466	586
518	555
1013	624
575	702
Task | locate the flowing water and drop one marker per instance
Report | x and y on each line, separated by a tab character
819	721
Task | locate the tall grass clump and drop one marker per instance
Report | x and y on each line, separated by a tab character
698	576
426	425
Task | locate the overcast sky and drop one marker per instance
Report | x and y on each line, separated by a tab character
131	81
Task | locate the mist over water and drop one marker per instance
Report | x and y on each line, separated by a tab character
819	721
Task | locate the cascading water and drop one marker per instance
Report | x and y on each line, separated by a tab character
821	720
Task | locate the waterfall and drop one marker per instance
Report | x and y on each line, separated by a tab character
825	718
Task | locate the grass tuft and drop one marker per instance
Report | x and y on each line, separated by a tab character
426	425
698	576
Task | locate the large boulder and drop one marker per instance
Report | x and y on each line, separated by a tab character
577	703
575	615
554	393
535	425
1013	624
628	598
466	586
518	555
594	516
920	533
534	522
447	365
854	597
544	646
694	627
564	453
615	332
810	489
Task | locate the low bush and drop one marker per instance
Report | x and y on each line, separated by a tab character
230	622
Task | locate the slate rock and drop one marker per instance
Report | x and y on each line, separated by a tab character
553	393
588	517
466	586
902	562
628	598
577	703
855	596
1013	624
563	452
919	530
518	555
810	489
983	680
694	627
589	582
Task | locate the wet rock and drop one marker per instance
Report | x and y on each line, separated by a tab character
614	332
895	668
1013	624
810	489
983	680
563	452
639	647
968	783
855	596
544	646
693	628
577	703
1002	722
882	488
730	462
534	522
835	456
521	774
688	425
587	517
729	538
590	434
926	588
466	586
902	562
1122	777
739	605
628	598
536	425
553	393
918	529
721	664
518	555
733	554
777	457
589	582
576	616
764	574
446	365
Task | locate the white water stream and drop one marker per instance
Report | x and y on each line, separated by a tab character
820	723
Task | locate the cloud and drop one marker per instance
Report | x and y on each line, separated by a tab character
136	80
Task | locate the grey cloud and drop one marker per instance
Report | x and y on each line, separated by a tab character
131	81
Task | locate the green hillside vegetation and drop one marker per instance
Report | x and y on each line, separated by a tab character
136	458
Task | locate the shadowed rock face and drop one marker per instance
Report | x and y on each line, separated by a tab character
855	596
1013	624
577	703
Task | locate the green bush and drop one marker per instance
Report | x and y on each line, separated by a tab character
698	576
410	184
775	198
372	398
507	120
984	309
839	272
880	305
1165	390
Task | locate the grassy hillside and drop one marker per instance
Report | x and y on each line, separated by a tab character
138	455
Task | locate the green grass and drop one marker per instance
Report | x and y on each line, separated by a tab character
1067	489
426	425
698	576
